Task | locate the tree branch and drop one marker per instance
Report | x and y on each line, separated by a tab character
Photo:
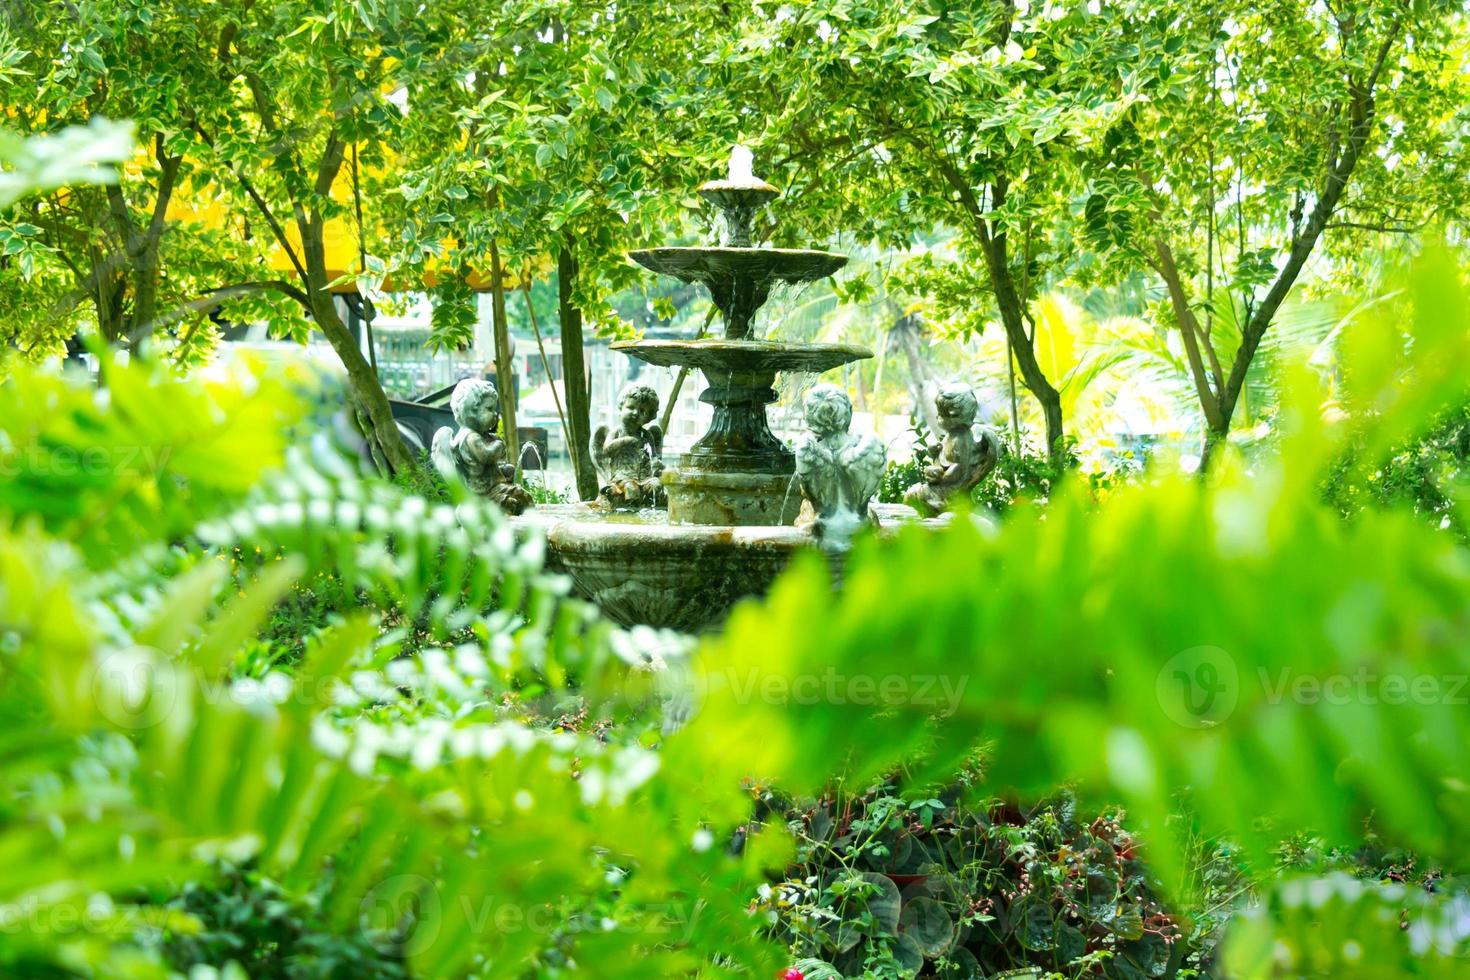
1168	271
1361	113
168	177
222	293
1367	226
265	211
331	164
213	298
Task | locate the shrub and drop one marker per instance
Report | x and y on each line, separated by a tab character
1429	475
888	882
245	918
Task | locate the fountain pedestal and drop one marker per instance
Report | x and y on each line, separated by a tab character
738	473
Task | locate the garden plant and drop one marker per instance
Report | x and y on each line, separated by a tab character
282	699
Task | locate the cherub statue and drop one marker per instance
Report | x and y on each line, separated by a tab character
966	454
839	472
475	453
631	458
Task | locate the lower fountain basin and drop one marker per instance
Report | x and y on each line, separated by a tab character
641	569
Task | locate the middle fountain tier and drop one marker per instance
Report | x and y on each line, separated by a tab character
739	472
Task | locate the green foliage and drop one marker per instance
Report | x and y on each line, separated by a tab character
36	323
1342	926
551	126
151	724
1426	475
897	478
76	155
1017	477
148	256
249	920
140	461
886	881
430	752
1020	476
1280	132
907	116
541	493
454	316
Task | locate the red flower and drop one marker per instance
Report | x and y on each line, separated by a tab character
791	973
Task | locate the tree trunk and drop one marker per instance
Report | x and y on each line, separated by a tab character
1010	301
363	388
1015	402
1214	439
370	402
1207	380
1051	410
921	379
105	288
145	294
574	374
108	300
149	243
505	372
1023	345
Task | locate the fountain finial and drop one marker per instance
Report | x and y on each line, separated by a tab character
742	165
738	197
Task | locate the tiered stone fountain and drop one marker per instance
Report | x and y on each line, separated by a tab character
738	473
732	499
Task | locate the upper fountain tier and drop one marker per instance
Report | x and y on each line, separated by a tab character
738	275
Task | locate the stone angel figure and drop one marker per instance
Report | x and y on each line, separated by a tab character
963	457
475	454
630	459
838	472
